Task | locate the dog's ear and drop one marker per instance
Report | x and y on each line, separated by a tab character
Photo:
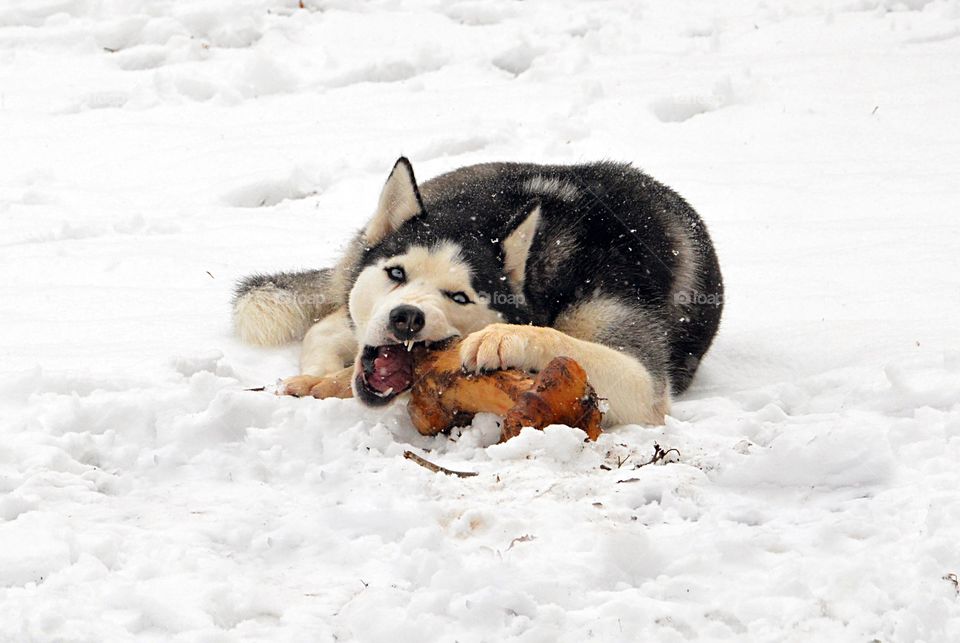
399	202
516	245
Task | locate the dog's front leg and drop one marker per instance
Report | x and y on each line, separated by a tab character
328	347
632	394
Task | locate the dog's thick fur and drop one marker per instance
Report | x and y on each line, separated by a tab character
597	262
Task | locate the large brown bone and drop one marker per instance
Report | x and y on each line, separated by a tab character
444	396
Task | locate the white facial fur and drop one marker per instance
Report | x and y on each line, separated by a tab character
430	272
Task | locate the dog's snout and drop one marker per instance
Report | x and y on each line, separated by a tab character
406	321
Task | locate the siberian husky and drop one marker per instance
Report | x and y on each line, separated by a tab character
598	262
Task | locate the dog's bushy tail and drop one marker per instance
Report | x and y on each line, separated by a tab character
270	310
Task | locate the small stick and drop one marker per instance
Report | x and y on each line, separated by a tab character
436	468
953	579
659	455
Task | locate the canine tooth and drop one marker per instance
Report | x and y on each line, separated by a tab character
409	343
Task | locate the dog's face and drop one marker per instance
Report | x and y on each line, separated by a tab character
421	297
417	292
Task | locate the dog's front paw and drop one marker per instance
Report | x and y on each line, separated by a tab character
299	385
501	346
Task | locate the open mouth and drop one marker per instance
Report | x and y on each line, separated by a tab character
387	371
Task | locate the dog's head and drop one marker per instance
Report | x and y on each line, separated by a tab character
425	280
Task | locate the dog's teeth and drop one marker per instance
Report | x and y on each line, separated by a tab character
409	343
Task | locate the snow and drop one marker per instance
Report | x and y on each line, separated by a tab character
153	152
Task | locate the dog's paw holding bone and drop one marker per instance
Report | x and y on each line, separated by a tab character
504	346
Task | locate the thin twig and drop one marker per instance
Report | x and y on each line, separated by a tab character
953	579
436	468
521	539
659	455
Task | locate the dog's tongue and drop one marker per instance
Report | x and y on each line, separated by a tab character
392	369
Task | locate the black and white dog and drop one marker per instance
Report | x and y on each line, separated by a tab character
598	262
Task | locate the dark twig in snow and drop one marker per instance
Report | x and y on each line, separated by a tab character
953	579
521	539
659	455
436	468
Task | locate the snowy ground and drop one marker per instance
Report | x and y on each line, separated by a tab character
153	151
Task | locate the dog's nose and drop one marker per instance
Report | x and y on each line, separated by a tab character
406	321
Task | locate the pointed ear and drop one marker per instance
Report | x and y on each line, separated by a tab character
399	202
516	247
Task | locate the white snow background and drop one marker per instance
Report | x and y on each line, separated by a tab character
152	152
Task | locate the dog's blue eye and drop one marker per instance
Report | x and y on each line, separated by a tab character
396	273
459	297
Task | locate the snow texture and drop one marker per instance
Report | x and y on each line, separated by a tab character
153	152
